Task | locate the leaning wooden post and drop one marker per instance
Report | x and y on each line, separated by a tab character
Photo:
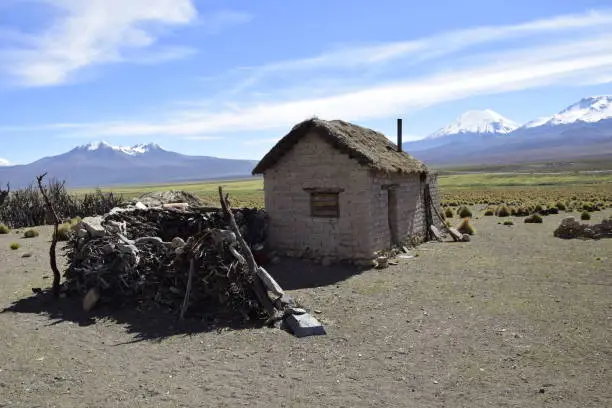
52	254
250	259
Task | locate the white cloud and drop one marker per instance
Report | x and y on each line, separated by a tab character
423	49
4	162
93	32
564	50
524	69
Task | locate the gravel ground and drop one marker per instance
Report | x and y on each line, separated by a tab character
514	318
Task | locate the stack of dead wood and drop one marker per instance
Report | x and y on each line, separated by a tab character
185	259
570	228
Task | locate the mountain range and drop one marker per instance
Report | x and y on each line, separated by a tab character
102	164
582	130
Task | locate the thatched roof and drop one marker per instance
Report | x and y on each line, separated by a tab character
368	147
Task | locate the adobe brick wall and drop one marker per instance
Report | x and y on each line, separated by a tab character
312	162
363	225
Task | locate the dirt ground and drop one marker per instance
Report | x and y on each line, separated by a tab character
515	318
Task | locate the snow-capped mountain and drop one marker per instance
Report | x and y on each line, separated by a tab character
470	127
477	121
583	129
587	110
130	150
101	163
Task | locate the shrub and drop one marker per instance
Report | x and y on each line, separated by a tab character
4	229
534	219
508	222
63	232
553	210
503	211
522	212
31	233
67	205
538	208
466	228
464	212
448	213
585	215
489	212
560	206
15	246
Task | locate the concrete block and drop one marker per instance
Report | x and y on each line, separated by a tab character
303	325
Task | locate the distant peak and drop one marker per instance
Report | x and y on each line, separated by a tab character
131	150
477	121
96	145
589	110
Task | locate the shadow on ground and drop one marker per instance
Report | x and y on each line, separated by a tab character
293	274
151	325
158	324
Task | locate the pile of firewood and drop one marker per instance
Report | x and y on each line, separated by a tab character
184	259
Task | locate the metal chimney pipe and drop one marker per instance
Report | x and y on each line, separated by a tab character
399	134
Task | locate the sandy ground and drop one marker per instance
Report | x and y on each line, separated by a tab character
515	318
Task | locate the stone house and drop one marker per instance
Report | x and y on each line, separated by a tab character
337	190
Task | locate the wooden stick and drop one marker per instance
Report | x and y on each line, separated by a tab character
56	222
188	290
4	193
250	259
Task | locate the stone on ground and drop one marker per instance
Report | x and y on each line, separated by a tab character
303	325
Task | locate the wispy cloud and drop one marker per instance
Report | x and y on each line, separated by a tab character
93	32
4	162
361	83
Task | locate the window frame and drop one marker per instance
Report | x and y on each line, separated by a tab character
323	195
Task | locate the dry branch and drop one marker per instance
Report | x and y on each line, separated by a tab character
4	193
250	259
56	222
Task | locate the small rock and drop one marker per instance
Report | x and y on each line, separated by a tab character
93	225
140	206
26	255
382	262
465	238
178	242
90	299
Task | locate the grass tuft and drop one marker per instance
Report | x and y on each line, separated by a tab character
534	219
466	228
31	233
464	212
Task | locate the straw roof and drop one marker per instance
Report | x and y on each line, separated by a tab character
368	147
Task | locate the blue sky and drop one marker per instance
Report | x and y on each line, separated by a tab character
229	78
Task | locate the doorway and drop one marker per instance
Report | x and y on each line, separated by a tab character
392	215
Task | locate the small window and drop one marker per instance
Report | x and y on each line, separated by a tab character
324	204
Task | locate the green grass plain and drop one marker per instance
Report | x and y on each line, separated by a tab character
249	192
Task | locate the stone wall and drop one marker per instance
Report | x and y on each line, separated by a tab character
313	163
